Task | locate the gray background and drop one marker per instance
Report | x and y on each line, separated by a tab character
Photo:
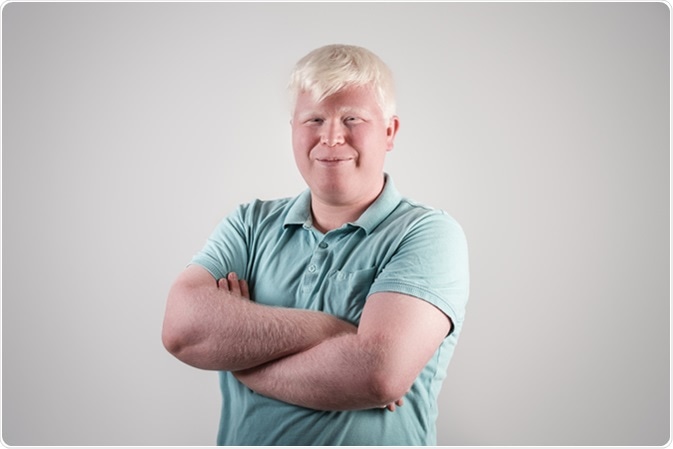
129	130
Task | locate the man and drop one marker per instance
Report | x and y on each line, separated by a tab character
327	311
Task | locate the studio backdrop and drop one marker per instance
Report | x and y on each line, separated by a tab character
130	129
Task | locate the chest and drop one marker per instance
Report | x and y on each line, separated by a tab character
304	269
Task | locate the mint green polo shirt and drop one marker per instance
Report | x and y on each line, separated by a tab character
396	245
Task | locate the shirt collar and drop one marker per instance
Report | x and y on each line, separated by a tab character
300	211
386	202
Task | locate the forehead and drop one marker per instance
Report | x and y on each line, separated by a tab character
350	99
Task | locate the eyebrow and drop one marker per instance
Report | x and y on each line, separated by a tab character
351	110
341	111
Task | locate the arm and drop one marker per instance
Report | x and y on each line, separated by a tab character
397	336
209	326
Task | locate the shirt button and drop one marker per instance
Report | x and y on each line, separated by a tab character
311	268
323	245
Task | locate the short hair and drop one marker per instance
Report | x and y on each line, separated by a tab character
332	68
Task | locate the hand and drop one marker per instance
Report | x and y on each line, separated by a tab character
391	407
235	286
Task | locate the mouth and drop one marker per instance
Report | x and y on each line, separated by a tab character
334	160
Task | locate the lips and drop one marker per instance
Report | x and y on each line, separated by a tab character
333	161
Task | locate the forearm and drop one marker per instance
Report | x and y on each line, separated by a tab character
209	328
342	373
397	336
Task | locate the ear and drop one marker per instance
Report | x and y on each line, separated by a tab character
391	131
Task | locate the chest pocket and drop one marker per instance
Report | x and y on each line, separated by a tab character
346	292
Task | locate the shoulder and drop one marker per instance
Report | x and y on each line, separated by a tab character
413	216
259	210
260	207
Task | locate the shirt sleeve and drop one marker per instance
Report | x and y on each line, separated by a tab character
431	263
226	249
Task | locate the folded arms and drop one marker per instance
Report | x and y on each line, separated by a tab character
303	357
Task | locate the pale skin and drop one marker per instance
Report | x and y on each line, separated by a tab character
214	328
304	357
263	375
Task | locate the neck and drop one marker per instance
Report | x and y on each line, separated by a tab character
329	215
326	217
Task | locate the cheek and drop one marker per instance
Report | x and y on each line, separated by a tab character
301	148
373	143
302	141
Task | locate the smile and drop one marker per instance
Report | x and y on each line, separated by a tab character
334	163
333	160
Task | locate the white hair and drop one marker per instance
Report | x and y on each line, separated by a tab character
329	69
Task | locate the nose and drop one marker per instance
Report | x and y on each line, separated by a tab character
333	134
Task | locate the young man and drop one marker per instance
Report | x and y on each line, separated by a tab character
327	311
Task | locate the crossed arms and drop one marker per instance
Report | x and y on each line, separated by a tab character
302	357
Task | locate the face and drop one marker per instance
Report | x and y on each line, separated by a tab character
340	145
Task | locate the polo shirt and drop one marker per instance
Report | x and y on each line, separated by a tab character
396	245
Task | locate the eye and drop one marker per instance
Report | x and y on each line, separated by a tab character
314	121
352	120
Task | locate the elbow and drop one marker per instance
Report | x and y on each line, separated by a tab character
388	387
188	326
172	340
175	330
174	337
387	375
180	342
180	334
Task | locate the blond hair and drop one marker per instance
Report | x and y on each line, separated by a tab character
332	68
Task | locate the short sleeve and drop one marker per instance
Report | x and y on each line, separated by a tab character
227	247
431	263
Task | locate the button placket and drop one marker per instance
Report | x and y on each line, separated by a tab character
314	267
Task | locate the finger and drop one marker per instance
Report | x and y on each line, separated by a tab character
400	402
233	284
245	290
223	284
391	407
